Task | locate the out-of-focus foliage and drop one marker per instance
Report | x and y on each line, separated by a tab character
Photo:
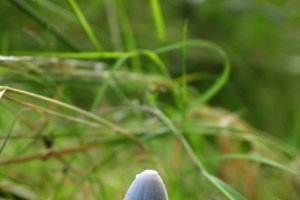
260	36
261	39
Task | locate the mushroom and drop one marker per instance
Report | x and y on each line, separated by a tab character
147	185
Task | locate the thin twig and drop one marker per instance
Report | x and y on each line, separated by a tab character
11	129
50	112
49	153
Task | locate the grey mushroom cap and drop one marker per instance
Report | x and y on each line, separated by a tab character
147	185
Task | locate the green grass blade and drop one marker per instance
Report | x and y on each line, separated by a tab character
184	92
127	32
260	159
113	24
85	25
228	191
75	55
21	5
125	26
169	124
158	61
57	9
158	19
220	82
105	84
151	55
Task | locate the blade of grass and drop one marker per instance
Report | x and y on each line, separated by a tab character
113	23
78	55
220	82
151	55
53	113
259	159
21	5
251	136
184	97
85	25
228	191
221	186
165	120
127	33
104	86
158	19
57	9
77	110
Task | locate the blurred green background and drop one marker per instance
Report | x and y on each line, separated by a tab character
261	39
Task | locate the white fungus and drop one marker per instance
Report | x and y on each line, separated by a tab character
147	185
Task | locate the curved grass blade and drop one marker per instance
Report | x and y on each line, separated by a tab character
220	82
127	32
183	101
85	25
58	10
260	159
151	55
76	55
158	19
227	190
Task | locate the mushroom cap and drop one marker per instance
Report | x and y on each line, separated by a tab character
147	185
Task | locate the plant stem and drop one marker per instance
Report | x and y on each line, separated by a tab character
89	115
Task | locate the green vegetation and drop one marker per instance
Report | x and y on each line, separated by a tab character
205	92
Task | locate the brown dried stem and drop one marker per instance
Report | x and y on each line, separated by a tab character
91	116
49	153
